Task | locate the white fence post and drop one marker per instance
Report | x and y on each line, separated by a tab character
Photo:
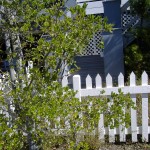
133	111
121	127
109	85
144	109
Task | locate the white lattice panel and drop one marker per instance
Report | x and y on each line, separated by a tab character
93	47
129	20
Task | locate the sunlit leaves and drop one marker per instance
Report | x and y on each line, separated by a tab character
35	99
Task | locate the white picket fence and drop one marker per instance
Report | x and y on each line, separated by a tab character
133	89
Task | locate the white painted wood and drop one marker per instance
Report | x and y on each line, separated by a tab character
127	130
111	135
77	88
101	127
125	90
122	133
121	127
121	80
145	109
108	81
134	120
132	79
77	85
98	81
144	78
133	112
111	131
88	82
145	117
64	81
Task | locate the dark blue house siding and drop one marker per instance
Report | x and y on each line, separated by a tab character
113	53
92	65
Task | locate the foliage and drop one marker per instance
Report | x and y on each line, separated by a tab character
140	8
133	59
137	53
116	109
34	107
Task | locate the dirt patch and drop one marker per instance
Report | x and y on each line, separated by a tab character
138	146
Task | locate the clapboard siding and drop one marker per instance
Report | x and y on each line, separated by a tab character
91	65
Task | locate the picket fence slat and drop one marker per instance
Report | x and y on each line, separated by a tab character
121	127
88	82
144	109
109	84
77	85
98	81
101	128
64	81
108	81
132	79
144	79
133	111
121	80
134	120
145	117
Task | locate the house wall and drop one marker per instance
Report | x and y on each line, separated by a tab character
113	53
113	42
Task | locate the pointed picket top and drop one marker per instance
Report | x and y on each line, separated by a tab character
88	82
98	81
121	80
108	80
132	79
144	78
76	82
64	81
